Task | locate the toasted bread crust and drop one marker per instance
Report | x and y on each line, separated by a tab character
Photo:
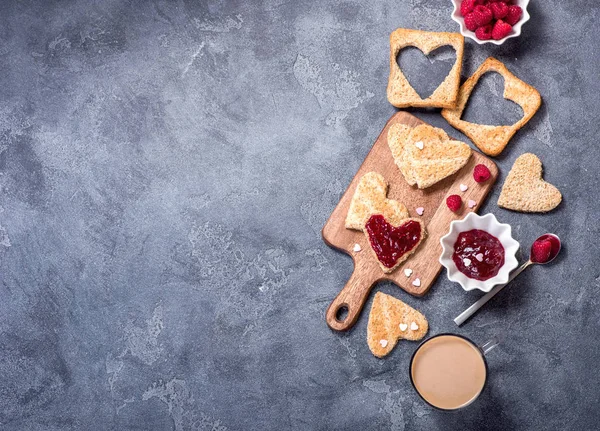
399	91
493	139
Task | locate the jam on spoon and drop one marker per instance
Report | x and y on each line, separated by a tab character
478	254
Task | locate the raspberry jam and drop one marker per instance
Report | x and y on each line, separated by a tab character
474	244
389	242
553	251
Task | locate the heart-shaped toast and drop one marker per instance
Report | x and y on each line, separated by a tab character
426	155
370	198
391	320
391	244
524	189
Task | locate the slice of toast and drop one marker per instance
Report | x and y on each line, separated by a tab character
524	189
436	158
380	242
399	91
370	197
385	319
493	139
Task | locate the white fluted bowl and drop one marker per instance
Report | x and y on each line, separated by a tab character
516	31
490	224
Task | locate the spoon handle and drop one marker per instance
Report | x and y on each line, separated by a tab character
462	317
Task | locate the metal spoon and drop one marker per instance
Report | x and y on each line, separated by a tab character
556	245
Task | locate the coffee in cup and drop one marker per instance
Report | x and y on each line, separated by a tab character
449	371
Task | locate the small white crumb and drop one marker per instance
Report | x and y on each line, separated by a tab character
408	272
467	261
417	282
414	326
420	210
357	247
383	343
463	187
419	145
403	327
479	257
472	203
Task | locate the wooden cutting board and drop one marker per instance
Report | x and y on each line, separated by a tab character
437	217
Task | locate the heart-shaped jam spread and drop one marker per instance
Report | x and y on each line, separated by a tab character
389	242
478	254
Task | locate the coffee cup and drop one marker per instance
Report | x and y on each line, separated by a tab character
449	371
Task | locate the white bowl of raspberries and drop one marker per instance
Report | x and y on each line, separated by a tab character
490	21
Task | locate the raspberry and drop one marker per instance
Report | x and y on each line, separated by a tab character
470	22
481	173
483	15
540	251
467	7
482	2
499	9
514	15
484	33
454	202
501	30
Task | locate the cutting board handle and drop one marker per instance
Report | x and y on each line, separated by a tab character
343	312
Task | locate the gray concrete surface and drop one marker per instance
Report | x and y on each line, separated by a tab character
165	170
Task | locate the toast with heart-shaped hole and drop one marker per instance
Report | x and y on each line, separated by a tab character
524	189
426	155
399	91
370	197
391	320
493	139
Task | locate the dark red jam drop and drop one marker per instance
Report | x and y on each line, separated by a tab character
472	243
389	242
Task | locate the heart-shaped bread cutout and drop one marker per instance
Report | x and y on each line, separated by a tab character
426	155
391	244
524	189
370	197
391	320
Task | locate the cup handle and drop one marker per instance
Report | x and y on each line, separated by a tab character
489	345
